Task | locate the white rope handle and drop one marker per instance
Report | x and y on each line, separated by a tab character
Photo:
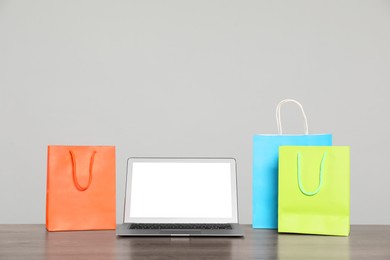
279	122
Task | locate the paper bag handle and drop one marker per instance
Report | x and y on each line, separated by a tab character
308	193
75	181
278	120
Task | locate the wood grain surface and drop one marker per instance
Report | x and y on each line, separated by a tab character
34	242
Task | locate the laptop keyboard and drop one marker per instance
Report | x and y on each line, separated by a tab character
179	226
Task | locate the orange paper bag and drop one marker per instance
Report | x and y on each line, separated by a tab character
80	188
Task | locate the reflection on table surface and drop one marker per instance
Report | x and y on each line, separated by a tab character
34	242
291	246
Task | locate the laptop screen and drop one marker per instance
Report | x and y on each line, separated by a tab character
181	191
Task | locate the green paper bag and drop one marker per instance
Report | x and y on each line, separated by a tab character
314	190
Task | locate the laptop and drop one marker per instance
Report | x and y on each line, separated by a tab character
180	197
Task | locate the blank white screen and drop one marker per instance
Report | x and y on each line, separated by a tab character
181	190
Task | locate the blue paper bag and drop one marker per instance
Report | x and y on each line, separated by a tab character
265	168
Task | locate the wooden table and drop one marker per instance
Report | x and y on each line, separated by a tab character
33	242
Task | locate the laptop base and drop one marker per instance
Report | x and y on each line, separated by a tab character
124	230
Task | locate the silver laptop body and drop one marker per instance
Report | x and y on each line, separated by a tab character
180	197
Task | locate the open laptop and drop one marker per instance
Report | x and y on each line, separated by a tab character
180	197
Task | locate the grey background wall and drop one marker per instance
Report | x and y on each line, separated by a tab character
191	78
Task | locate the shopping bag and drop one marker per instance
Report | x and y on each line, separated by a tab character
314	190
80	188
265	168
